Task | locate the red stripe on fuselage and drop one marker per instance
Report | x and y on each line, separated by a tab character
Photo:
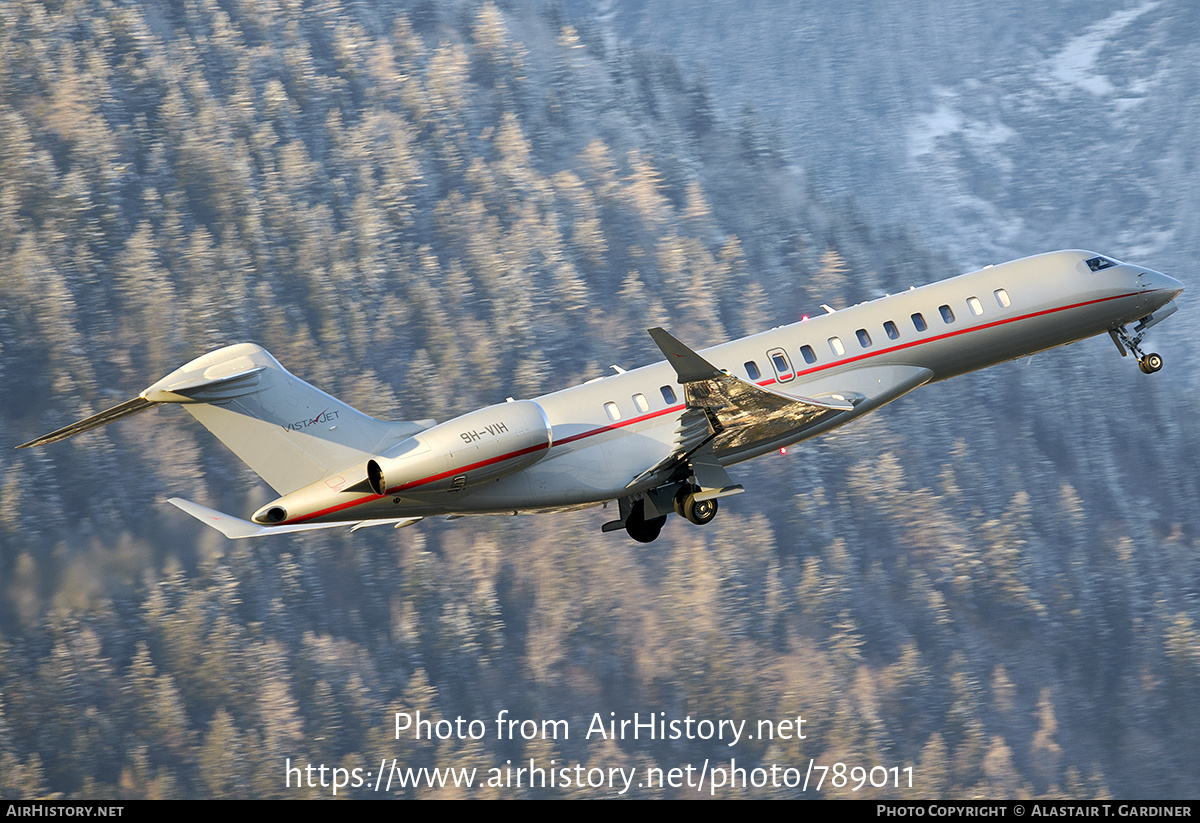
958	332
621	425
650	416
433	478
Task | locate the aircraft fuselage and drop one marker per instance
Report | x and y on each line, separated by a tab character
603	433
656	439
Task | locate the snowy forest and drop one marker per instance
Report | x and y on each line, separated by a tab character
422	208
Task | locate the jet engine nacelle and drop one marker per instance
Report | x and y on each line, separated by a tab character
466	451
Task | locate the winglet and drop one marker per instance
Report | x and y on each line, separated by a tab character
690	366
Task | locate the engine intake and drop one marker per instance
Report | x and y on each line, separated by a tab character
270	515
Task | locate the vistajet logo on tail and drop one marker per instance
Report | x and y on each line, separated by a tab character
324	417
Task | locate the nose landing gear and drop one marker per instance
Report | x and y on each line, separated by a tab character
1148	363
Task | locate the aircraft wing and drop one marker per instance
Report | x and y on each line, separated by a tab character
726	413
235	528
746	413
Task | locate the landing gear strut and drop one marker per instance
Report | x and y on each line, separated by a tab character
1148	363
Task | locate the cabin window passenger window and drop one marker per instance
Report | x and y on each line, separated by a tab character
975	306
893	333
783	369
919	322
947	313
808	354
668	394
835	343
752	370
864	339
613	412
1002	298
639	400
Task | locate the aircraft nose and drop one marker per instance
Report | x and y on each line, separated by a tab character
1157	281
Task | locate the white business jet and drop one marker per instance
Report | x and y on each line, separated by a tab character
657	439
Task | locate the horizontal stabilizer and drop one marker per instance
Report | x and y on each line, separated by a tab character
235	528
209	387
137	404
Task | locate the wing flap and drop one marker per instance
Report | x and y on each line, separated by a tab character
711	476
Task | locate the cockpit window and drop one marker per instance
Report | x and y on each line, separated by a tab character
1098	263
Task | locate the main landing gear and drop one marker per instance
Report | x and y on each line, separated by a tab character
1148	363
645	529
641	529
696	511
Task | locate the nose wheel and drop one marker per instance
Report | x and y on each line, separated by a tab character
1148	363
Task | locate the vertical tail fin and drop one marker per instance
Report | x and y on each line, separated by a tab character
290	433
